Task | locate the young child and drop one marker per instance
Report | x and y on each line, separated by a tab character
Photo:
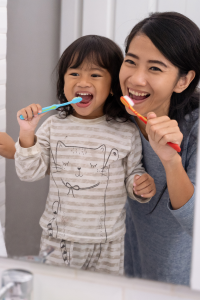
94	158
7	145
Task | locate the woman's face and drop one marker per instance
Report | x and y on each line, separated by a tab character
148	77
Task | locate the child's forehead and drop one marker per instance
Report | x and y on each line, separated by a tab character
87	64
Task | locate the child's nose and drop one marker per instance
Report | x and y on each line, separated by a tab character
138	78
84	82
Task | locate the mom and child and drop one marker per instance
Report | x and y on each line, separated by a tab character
96	153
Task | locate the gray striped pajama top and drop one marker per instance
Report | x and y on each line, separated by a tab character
92	164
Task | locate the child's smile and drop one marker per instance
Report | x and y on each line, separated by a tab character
87	98
93	84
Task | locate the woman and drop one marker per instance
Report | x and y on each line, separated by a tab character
160	72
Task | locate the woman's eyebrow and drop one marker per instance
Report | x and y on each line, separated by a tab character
149	61
158	62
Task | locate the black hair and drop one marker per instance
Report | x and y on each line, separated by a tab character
102	52
178	39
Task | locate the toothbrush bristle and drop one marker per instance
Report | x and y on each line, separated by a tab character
129	100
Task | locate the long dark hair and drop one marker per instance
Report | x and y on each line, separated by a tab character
102	52
178	39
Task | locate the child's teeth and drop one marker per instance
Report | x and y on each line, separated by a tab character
83	94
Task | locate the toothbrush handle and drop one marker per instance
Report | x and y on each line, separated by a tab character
55	106
44	109
174	146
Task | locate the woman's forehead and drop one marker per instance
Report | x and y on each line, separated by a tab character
142	48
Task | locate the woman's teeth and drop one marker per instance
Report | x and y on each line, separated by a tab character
137	94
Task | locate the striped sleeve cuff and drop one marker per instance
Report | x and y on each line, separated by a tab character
28	151
134	196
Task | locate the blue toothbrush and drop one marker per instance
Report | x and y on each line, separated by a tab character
55	106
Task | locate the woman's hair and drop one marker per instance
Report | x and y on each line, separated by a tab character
178	39
102	52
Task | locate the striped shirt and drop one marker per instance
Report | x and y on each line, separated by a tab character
92	164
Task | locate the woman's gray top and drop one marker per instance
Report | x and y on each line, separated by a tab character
158	245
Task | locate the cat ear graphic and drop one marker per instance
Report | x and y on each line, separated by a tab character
102	148
113	156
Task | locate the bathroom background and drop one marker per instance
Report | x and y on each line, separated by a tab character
36	32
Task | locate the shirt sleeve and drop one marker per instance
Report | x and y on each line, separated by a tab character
32	163
133	166
185	214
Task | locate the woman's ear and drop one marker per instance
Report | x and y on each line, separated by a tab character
184	81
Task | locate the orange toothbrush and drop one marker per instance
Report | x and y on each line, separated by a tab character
128	102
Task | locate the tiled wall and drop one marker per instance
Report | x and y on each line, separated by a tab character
3	39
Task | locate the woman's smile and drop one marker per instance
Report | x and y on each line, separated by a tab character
137	96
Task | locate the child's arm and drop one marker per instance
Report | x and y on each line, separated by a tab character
140	185
7	145
32	152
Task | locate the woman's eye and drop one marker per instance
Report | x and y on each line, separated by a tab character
129	61
155	69
74	74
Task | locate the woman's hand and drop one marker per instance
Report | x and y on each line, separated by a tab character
29	124
162	130
144	186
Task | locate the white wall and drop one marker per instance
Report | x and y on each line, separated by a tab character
115	18
3	40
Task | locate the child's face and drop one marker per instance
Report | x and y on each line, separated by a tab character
148	77
90	82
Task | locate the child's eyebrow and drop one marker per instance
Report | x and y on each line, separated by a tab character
97	69
149	61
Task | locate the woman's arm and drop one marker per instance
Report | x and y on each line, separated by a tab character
160	131
180	187
7	145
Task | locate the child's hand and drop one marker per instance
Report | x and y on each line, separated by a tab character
144	186
7	145
31	117
28	126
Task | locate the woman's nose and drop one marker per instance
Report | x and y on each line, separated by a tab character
138	78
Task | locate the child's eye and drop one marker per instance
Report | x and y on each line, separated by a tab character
129	61
95	75
155	69
74	74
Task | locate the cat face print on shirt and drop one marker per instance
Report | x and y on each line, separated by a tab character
83	167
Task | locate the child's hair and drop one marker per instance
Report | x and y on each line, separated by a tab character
102	52
178	39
